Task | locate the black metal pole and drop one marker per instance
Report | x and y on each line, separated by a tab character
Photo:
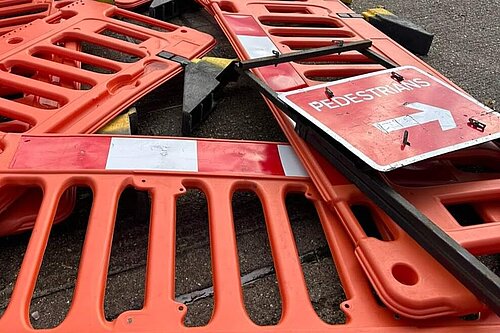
278	58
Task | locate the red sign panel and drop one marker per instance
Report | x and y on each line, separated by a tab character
396	117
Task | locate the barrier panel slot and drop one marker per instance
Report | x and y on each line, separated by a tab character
55	285
193	255
321	275
260	288
132	215
370	221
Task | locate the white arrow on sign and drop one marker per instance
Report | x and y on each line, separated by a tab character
429	114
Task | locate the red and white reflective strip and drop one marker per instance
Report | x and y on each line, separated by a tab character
132	153
257	44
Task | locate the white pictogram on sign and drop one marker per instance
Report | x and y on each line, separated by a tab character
429	114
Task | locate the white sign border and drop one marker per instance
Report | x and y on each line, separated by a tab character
366	159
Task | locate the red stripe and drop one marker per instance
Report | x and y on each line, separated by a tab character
244	25
61	153
258	158
282	77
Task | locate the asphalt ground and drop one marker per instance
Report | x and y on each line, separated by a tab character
465	49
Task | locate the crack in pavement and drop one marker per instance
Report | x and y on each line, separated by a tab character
309	257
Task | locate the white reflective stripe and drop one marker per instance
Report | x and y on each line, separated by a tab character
290	162
152	154
257	46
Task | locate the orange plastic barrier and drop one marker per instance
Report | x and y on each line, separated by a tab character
118	52
15	14
256	28
52	79
95	161
397	267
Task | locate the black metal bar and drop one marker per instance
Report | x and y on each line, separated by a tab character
387	63
474	275
174	57
360	46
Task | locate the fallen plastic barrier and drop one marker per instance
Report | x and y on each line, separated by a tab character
119	58
260	167
76	70
17	218
270	29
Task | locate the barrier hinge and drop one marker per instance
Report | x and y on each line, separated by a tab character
174	57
